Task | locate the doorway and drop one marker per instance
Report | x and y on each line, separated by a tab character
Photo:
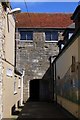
34	90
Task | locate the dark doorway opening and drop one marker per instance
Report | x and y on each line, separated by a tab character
34	90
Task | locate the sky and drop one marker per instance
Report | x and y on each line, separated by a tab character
47	6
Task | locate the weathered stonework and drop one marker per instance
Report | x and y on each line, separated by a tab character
1	55
33	57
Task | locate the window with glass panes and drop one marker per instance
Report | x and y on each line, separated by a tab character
25	35
51	35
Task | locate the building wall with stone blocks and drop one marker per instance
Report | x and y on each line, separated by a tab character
33	57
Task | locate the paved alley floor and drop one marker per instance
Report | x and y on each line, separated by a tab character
45	110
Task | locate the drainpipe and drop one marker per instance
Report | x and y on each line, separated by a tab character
51	70
55	83
22	87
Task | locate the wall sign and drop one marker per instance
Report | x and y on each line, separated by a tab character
9	72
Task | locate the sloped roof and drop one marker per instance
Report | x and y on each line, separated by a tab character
71	26
43	20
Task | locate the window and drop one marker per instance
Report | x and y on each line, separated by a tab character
29	35
62	45
19	82
48	35
22	35
70	35
25	35
54	35
15	84
51	36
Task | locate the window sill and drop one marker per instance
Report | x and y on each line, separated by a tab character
15	92
26	40
51	41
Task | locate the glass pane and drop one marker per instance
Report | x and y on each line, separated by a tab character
54	35
48	35
22	35
70	34
29	35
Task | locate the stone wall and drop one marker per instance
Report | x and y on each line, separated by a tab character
33	57
2	22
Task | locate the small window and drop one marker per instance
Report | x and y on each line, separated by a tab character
29	35
48	35
24	35
19	82
51	36
54	35
70	35
62	45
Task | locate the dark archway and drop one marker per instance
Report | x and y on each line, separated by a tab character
34	90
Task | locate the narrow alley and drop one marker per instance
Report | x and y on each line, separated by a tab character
39	63
48	110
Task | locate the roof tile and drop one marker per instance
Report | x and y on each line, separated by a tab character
43	20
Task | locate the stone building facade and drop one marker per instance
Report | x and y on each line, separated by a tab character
32	55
